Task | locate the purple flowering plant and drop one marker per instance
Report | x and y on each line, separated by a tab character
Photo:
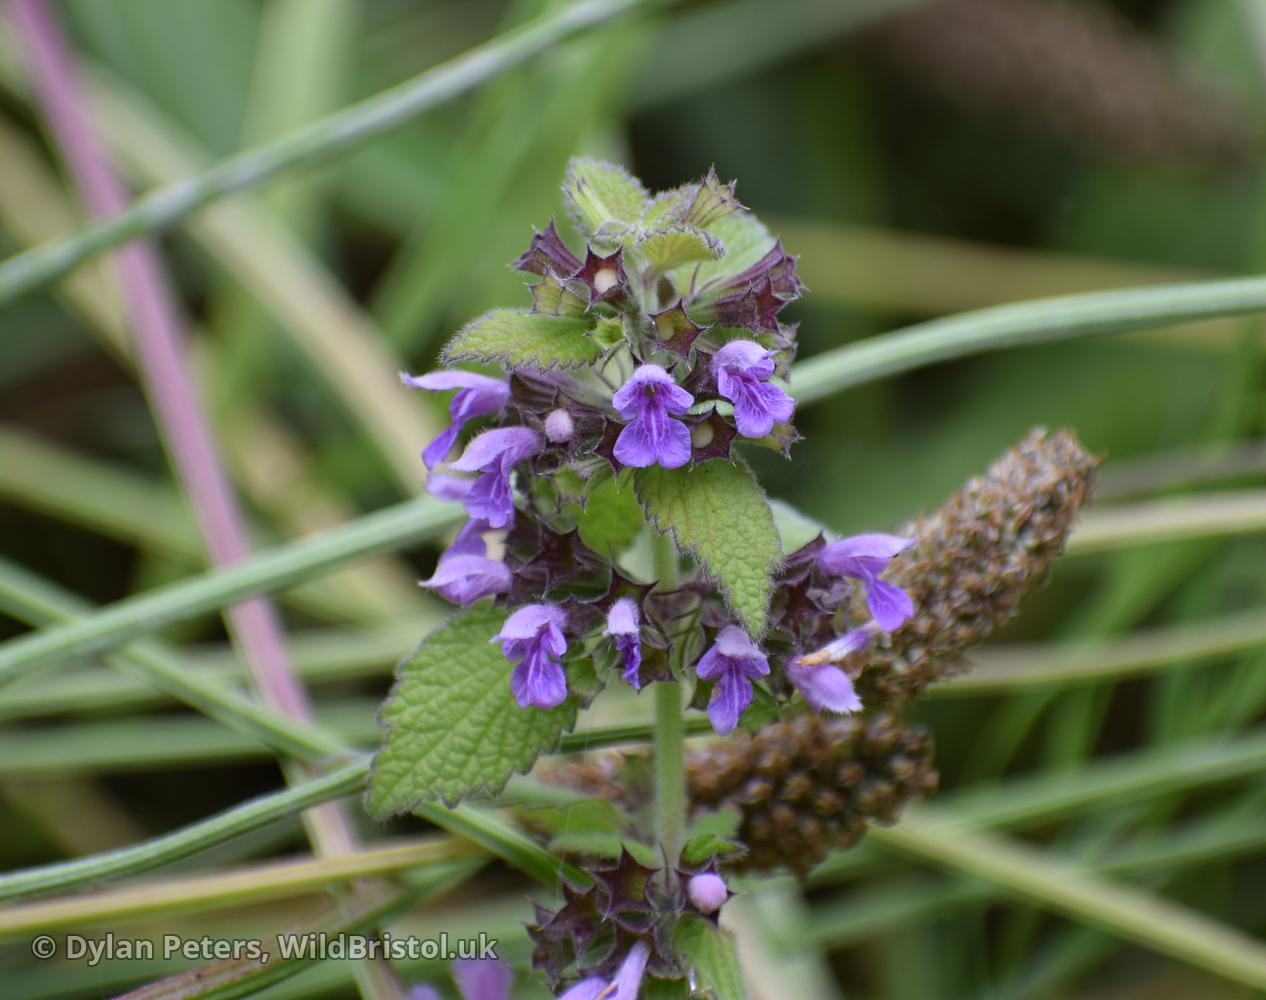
616	539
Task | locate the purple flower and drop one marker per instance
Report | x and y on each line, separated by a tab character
533	635
625	985
477	979
495	453
837	649
623	621
445	487
864	557
825	686
742	370
651	436
477	395
733	661
464	574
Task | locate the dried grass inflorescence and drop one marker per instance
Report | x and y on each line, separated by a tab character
974	560
810	784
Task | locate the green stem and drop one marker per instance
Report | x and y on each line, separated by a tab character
1042	320
391	528
670	764
670	768
319	141
348	779
241	819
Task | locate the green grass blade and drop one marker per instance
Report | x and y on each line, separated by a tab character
250	815
1203	515
165	742
320	141
391	528
1040	321
1055	884
1002	670
37	601
255	884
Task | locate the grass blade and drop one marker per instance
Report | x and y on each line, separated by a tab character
391	528
1052	883
1041	321
320	141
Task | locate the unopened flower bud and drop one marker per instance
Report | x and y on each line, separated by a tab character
559	426
708	892
701	436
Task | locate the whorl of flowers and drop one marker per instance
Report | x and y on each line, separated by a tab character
657	341
808	785
595	451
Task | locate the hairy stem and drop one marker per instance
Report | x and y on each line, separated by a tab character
670	768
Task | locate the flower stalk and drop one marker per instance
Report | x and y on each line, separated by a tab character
669	746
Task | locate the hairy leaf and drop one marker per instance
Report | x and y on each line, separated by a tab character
717	513
746	240
674	246
795	527
453	728
598	193
524	339
611	518
713	957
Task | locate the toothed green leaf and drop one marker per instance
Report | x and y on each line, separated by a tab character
717	513
713	958
522	339
746	240
668	207
551	296
675	246
598	193
611	517
453	729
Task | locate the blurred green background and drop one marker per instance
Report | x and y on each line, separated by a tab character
923	159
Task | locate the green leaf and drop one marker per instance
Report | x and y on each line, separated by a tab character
598	193
555	298
591	826
713	956
664	989
453	728
722	823
609	331
796	528
674	246
519	338
668	207
717	513
611	517
705	847
746	240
